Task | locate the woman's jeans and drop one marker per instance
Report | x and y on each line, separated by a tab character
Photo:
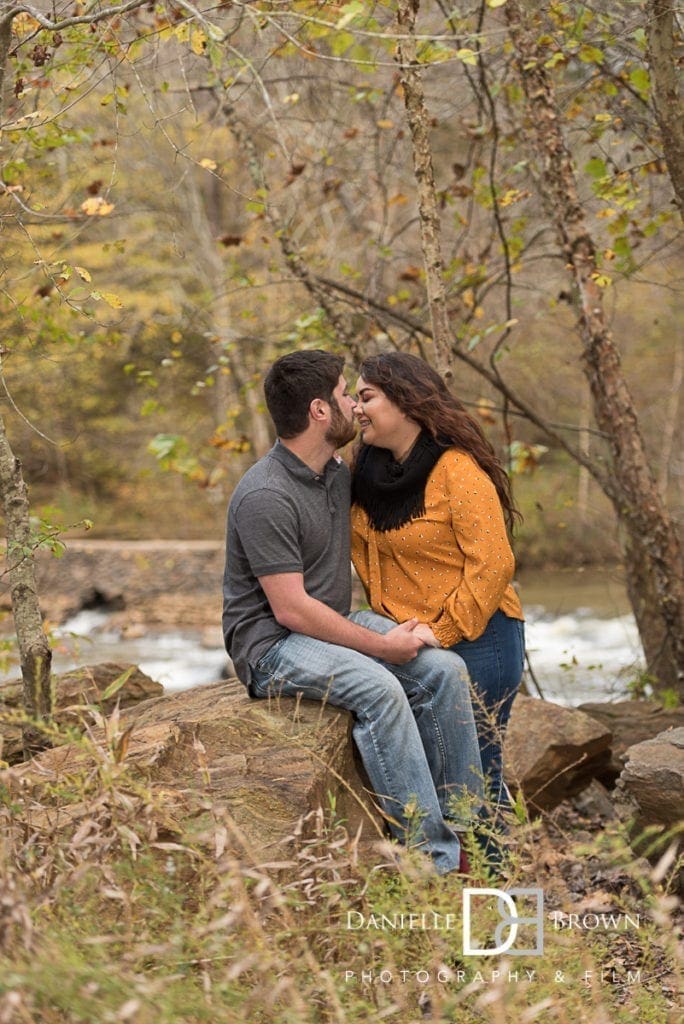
413	726
495	665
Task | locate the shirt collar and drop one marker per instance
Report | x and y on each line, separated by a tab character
299	469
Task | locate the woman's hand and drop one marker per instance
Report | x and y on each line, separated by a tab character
424	633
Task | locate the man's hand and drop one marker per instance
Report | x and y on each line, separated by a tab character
402	643
426	635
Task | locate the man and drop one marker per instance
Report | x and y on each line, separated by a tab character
286	622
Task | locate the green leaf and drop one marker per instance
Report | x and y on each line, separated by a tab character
117	683
641	81
596	168
341	43
349	12
639	37
467	56
163	446
590	54
434	53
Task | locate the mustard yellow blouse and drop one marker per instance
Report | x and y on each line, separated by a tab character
453	567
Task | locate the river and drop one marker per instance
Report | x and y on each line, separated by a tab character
582	641
581	638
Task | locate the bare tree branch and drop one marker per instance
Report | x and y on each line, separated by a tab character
58	24
430	225
411	324
293	258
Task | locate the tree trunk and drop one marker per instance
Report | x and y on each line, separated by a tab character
672	418
5	44
663	63
34	649
430	224
653	559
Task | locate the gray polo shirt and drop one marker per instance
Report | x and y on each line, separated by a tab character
283	517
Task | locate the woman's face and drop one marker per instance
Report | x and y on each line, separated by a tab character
382	423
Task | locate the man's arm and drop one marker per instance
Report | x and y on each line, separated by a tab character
297	611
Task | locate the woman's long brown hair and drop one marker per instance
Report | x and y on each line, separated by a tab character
419	391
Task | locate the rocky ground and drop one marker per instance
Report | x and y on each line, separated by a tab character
585	875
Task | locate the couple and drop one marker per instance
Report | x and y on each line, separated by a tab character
428	540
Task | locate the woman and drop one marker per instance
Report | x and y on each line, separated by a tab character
430	503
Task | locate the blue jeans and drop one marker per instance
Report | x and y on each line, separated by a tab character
413	726
495	665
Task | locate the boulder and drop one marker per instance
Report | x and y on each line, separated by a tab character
650	797
652	781
79	686
552	752
212	749
631	722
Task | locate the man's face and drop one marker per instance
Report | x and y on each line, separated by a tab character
342	427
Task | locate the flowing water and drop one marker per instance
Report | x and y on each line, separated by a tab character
178	659
581	638
582	642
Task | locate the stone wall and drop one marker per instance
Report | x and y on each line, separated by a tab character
166	582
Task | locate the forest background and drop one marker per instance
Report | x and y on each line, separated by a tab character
189	190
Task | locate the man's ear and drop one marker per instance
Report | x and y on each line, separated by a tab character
318	410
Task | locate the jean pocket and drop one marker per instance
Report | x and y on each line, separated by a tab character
264	664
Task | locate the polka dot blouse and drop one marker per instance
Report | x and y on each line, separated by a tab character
452	568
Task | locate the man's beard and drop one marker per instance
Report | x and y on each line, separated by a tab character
340	431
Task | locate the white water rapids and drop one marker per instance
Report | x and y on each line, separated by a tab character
577	651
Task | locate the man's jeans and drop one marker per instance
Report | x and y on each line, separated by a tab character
413	726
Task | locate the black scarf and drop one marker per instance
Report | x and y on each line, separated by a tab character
393	493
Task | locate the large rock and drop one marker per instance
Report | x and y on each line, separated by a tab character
212	748
650	797
631	722
78	687
652	780
552	752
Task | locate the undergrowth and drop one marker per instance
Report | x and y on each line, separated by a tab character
125	900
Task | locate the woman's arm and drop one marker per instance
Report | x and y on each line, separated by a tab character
479	529
359	547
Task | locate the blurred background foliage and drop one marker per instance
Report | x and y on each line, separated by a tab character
146	283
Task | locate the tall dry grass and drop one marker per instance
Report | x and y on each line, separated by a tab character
121	901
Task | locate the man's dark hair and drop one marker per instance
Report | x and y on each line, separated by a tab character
294	381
